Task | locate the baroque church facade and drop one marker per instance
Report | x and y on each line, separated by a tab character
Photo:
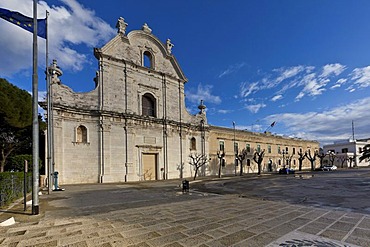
134	125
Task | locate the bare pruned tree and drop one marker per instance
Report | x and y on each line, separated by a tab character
321	156
258	158
332	156
197	161
301	156
312	158
241	157
342	159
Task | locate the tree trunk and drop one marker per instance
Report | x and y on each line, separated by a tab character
259	168
241	168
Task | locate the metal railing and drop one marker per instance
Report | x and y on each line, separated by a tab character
12	186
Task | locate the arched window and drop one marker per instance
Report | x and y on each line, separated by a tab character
81	136
147	60
193	144
148	105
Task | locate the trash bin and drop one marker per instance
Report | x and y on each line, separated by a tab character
185	186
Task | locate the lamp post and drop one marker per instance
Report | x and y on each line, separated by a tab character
235	151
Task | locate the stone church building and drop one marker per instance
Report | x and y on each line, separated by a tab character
134	125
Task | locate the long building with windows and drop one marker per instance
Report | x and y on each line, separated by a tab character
135	126
279	151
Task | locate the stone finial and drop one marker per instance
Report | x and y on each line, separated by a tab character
169	45
202	107
146	28
121	26
55	72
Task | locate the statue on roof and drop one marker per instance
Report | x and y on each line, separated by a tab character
146	28
169	45
121	26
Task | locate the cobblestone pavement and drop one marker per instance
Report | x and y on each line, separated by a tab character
158	215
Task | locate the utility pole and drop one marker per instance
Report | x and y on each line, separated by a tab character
354	142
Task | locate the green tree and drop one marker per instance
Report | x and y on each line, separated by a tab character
15	120
16	162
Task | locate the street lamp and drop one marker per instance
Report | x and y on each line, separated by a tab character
235	151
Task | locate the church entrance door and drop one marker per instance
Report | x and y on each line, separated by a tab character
149	171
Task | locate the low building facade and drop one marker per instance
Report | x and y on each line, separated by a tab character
278	151
346	153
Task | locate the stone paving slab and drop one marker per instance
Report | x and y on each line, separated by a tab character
199	219
210	221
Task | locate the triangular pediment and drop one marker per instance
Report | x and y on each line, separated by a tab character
131	48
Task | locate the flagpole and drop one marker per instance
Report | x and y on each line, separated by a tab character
35	120
48	95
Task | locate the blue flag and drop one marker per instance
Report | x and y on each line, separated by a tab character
24	21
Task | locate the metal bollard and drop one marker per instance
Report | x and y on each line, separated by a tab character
55	174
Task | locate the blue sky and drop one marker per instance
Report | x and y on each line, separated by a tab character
303	64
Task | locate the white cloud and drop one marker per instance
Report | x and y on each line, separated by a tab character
248	88
255	108
339	83
277	97
231	69
68	26
308	80
202	93
332	69
286	73
361	77
224	111
324	126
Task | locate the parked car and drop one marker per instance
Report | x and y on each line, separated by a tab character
329	168
286	170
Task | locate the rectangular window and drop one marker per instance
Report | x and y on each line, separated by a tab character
293	150
269	149
258	148
360	150
222	145
248	148
345	150
279	150
286	149
236	147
